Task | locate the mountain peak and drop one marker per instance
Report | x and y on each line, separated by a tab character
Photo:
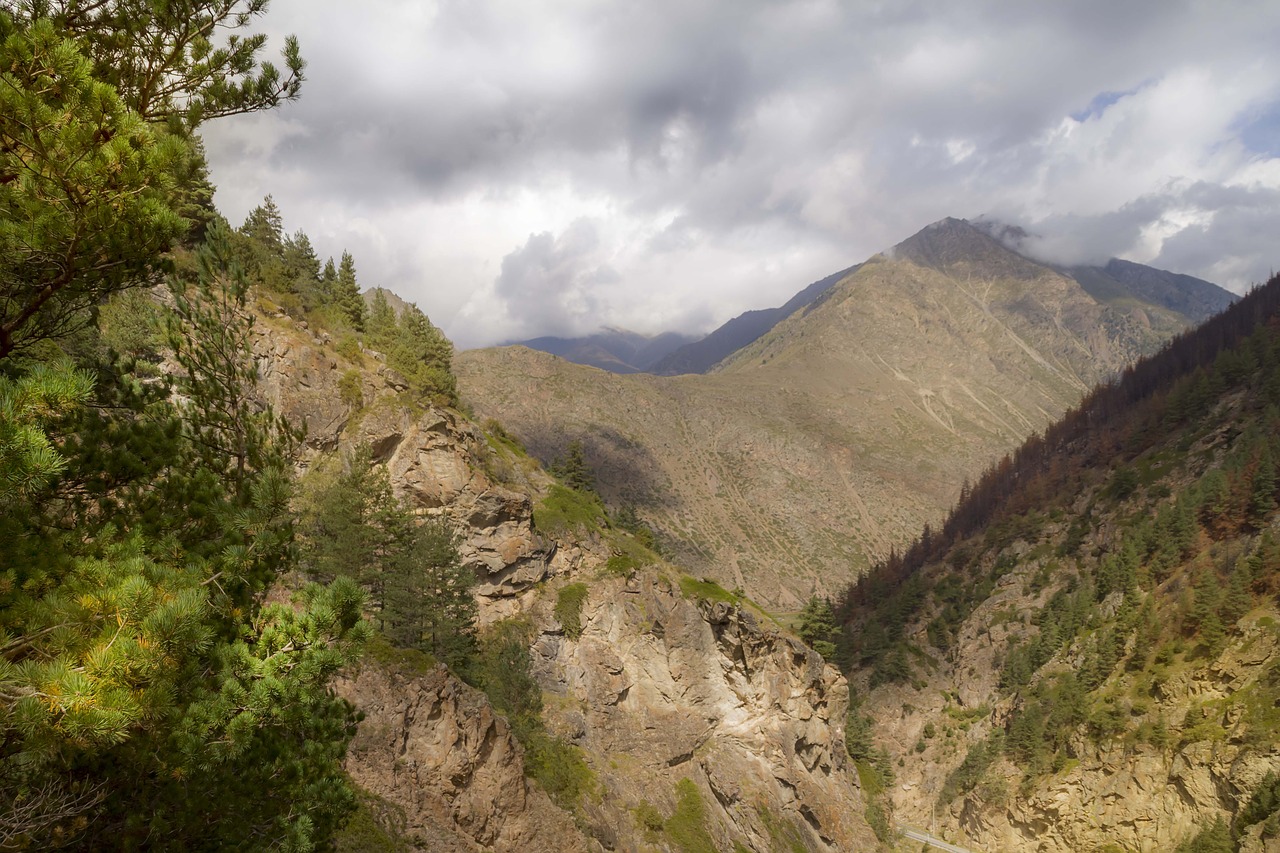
950	242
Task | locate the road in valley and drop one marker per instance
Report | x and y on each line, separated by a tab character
920	835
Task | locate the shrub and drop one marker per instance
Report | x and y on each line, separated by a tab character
564	510
569	609
350	389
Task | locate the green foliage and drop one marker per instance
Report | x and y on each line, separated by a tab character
648	818
351	389
573	470
353	526
424	356
566	510
1263	805
977	760
1123	483
687	826
878	819
346	294
569	601
141	677
706	590
784	836
503	669
165	63
84	200
376	825
408	661
1037	737
627	519
131	323
817	626
132	590
558	767
1214	838
428	604
28	460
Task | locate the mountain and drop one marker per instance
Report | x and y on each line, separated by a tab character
1193	298
838	434
1084	656
615	350
701	355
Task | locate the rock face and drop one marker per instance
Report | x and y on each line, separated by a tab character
689	713
659	688
433	747
435	458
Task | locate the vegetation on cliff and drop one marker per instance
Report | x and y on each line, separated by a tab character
145	489
1133	547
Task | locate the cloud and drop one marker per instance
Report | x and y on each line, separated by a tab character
726	152
550	284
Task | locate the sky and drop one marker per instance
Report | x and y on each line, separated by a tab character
549	167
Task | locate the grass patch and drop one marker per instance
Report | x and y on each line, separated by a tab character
687	827
565	510
376	824
783	835
872	781
568	610
409	662
706	590
498	437
628	554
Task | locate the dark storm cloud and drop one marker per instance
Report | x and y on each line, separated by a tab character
815	131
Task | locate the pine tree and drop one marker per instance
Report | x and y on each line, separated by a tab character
382	322
84	203
328	282
346	293
817	626
1237	600
429	603
134	582
1262	500
573	470
265	226
424	356
164	62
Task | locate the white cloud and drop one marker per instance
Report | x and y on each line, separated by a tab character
725	153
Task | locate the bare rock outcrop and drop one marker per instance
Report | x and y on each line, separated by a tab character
668	688
434	748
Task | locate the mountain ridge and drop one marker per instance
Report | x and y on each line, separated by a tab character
840	432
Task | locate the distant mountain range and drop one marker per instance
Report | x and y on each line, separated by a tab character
615	350
844	427
1193	300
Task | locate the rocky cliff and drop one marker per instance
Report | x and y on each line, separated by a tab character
663	686
695	719
433	750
